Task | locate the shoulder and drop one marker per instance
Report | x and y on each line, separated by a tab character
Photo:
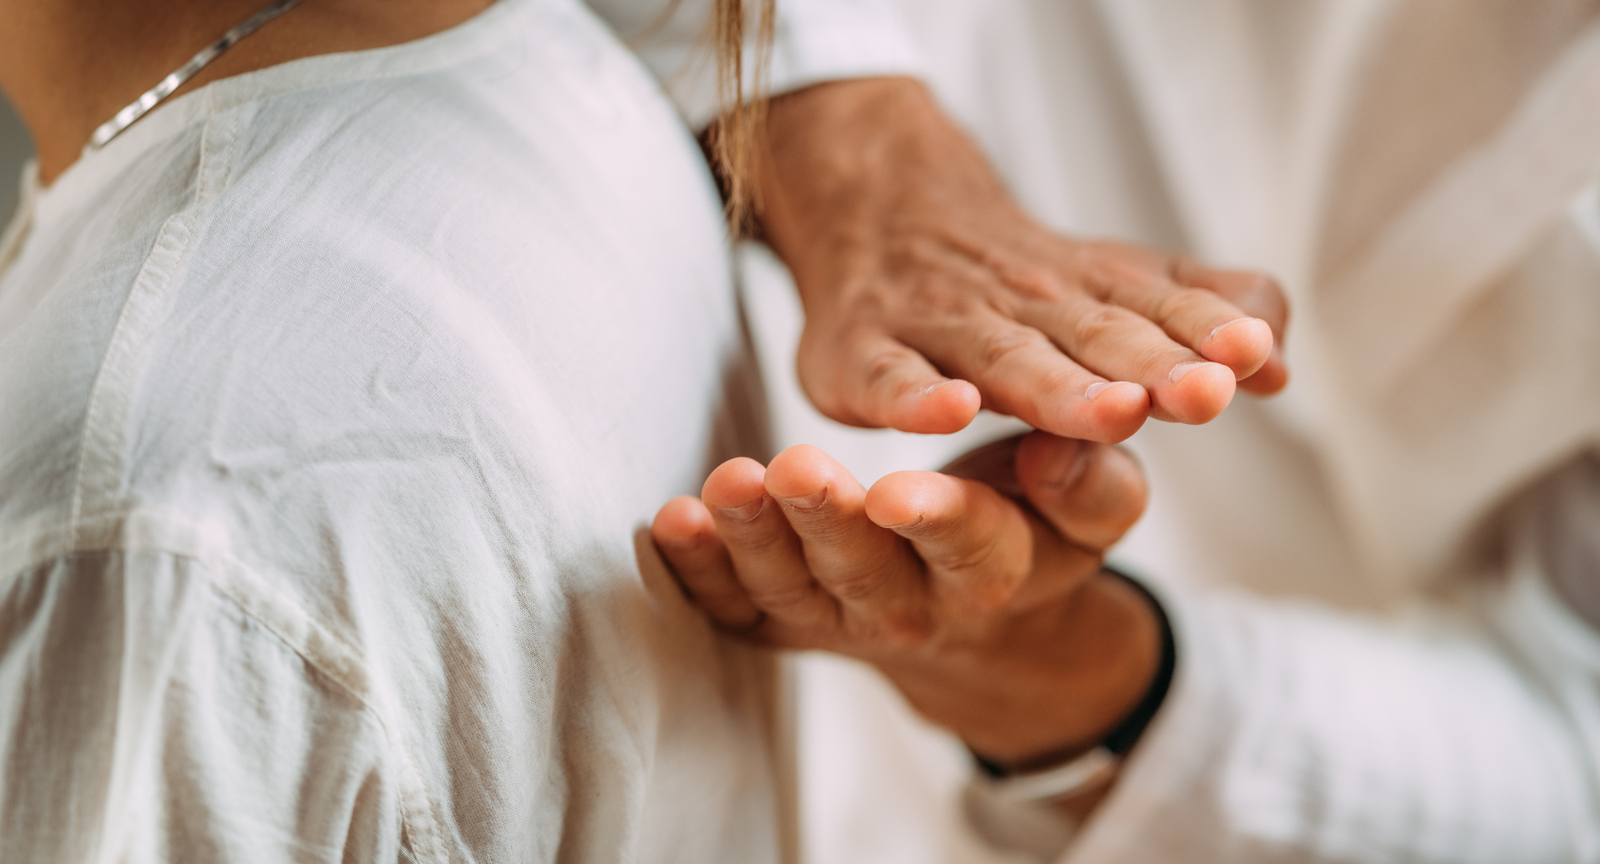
378	300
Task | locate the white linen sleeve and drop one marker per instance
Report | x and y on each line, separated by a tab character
1294	733
145	716
814	41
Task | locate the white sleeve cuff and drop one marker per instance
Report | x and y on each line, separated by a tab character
1298	732
1163	769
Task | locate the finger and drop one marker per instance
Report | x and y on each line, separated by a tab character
873	380
1272	377
1091	493
765	551
1120	343
687	537
870	570
1022	373
1200	319
1060	561
1257	295
977	546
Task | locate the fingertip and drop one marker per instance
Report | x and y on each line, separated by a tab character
1271	378
1118	411
1109	411
1198	392
938	409
1243	345
735	483
803	470
681	522
906	499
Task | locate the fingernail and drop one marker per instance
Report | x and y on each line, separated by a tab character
1222	327
1183	369
1096	389
1065	465
932	387
807	502
743	513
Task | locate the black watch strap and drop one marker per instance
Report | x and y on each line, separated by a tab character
1127	733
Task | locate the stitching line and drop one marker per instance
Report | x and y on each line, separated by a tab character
102	443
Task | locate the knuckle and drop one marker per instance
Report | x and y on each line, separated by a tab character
1181	302
969	561
1056	381
884	375
986	576
1098	324
1153	361
998	346
1024	281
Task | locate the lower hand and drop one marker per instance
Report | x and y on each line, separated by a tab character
991	615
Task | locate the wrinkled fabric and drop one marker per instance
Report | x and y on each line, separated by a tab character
1299	734
335	401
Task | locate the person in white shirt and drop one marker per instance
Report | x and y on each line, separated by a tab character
337	390
1422	500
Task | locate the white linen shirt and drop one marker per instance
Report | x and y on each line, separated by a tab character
335	400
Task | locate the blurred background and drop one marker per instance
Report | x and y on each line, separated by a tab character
15	148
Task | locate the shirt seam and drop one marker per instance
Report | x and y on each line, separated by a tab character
98	463
419	816
95	522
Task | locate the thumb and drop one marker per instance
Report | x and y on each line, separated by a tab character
1092	493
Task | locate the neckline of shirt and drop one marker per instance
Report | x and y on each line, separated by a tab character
472	38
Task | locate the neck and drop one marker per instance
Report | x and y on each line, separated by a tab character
68	65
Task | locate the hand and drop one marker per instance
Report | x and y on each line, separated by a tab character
992	616
916	269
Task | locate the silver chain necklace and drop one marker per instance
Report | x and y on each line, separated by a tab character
155	95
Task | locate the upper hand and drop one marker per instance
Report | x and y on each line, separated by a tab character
928	292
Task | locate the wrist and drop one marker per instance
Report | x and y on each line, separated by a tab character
853	165
1116	661
1076	780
